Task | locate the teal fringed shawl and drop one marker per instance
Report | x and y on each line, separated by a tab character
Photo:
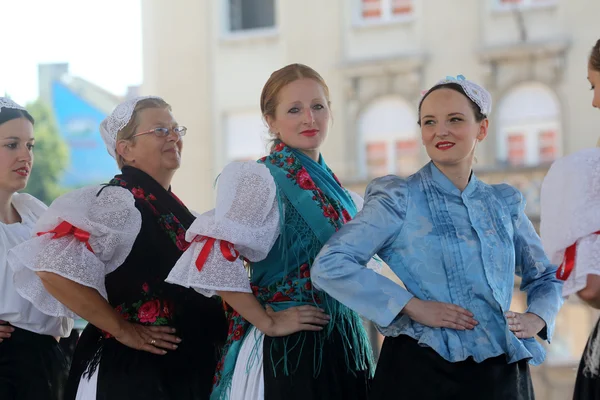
313	205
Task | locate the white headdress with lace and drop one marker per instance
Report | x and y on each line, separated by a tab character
478	94
117	120
5	102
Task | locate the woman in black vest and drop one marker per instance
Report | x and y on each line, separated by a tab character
103	253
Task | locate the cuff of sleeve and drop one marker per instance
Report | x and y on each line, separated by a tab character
548	318
396	304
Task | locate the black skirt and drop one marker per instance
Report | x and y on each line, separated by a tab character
408	371
32	367
587	385
128	374
334	379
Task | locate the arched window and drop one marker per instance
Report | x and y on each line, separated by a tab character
529	126
389	138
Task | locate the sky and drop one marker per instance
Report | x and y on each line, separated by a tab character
101	41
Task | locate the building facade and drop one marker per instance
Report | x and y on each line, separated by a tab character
210	59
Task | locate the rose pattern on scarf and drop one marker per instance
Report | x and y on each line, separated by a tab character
169	222
283	157
151	310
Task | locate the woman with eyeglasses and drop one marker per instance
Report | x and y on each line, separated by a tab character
103	253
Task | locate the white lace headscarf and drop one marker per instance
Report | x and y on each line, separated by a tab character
478	94
117	120
5	102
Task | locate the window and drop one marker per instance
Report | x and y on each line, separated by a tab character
388	139
516	148
401	7
547	146
529	126
371	9
385	10
246	136
510	4
407	156
247	15
377	158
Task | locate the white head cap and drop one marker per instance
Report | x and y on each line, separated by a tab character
478	94
117	120
5	102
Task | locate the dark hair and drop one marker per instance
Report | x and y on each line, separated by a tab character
479	116
8	114
595	56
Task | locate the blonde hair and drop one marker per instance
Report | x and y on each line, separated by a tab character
130	129
281	78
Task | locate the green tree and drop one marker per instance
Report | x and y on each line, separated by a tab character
51	155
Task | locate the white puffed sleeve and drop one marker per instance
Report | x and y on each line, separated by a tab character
104	228
570	215
245	220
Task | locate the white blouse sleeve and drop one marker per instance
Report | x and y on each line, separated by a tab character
570	214
245	221
112	222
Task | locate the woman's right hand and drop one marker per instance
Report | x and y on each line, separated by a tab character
153	339
295	319
439	315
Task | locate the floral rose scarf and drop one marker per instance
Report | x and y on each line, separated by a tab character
171	214
173	218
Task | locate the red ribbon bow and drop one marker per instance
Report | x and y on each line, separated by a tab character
227	249
64	228
568	263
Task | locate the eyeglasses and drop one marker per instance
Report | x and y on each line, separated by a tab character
163	132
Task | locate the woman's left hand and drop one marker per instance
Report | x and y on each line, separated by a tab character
5	331
525	325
